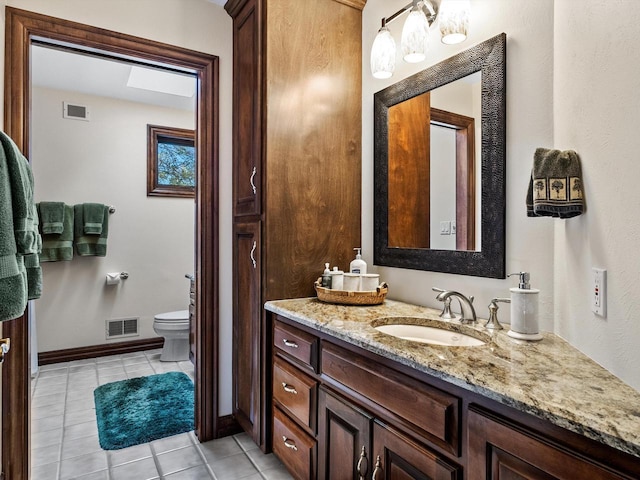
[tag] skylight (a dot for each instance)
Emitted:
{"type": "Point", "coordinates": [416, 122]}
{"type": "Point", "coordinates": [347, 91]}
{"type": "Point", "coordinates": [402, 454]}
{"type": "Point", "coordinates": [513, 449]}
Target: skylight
{"type": "Point", "coordinates": [161, 81]}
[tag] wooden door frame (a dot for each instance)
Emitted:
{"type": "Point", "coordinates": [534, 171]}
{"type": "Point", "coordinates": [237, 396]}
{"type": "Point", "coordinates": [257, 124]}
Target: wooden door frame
{"type": "Point", "coordinates": [21, 28]}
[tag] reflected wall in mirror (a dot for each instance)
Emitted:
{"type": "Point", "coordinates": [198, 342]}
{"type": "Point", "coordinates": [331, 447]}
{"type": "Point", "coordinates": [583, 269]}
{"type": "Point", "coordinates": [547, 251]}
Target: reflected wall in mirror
{"type": "Point", "coordinates": [432, 164]}
{"type": "Point", "coordinates": [439, 166]}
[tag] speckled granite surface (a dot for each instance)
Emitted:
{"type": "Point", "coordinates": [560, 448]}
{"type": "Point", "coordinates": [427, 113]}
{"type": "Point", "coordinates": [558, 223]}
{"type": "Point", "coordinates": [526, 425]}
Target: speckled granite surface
{"type": "Point", "coordinates": [549, 379]}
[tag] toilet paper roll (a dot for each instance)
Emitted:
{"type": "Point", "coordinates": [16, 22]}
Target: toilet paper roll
{"type": "Point", "coordinates": [113, 278]}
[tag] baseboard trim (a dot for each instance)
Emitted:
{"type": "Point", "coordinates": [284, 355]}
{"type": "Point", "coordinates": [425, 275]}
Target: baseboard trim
{"type": "Point", "coordinates": [227, 425]}
{"type": "Point", "coordinates": [92, 351]}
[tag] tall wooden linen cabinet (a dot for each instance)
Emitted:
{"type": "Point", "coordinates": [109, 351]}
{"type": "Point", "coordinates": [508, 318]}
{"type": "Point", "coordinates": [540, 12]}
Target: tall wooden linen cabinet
{"type": "Point", "coordinates": [297, 83]}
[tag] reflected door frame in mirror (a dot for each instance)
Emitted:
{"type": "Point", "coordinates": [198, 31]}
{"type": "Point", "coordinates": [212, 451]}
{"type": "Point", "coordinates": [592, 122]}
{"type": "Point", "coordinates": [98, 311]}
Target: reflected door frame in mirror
{"type": "Point", "coordinates": [489, 58]}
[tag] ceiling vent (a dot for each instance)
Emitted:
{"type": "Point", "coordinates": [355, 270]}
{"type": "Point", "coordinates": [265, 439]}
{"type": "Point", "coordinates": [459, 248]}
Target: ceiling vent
{"type": "Point", "coordinates": [75, 111]}
{"type": "Point", "coordinates": [122, 327]}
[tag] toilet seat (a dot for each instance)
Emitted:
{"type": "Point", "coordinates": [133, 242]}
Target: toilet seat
{"type": "Point", "coordinates": [173, 317]}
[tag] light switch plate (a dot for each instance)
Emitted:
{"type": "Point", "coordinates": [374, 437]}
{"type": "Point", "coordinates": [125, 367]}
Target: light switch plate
{"type": "Point", "coordinates": [599, 292]}
{"type": "Point", "coordinates": [445, 228]}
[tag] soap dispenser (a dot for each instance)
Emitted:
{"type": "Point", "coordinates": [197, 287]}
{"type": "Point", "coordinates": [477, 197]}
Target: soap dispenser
{"type": "Point", "coordinates": [358, 265]}
{"type": "Point", "coordinates": [524, 309]}
{"type": "Point", "coordinates": [326, 276]}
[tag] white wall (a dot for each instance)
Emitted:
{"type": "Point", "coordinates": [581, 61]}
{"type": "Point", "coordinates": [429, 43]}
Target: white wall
{"type": "Point", "coordinates": [199, 25]}
{"type": "Point", "coordinates": [104, 160]}
{"type": "Point", "coordinates": [529, 29]}
{"type": "Point", "coordinates": [596, 113]}
{"type": "Point", "coordinates": [585, 98]}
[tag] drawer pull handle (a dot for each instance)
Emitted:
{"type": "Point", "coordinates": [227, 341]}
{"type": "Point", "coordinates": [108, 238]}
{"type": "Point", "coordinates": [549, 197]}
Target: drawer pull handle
{"type": "Point", "coordinates": [253, 250]}
{"type": "Point", "coordinates": [289, 389]}
{"type": "Point", "coordinates": [377, 472]}
{"type": "Point", "coordinates": [287, 343]}
{"type": "Point", "coordinates": [362, 466]}
{"type": "Point", "coordinates": [289, 444]}
{"type": "Point", "coordinates": [253, 175]}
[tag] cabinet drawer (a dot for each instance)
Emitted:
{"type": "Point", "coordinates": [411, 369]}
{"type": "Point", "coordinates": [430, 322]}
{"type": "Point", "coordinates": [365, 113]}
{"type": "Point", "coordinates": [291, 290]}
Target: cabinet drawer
{"type": "Point", "coordinates": [434, 413]}
{"type": "Point", "coordinates": [295, 448]}
{"type": "Point", "coordinates": [296, 343]}
{"type": "Point", "coordinates": [295, 392]}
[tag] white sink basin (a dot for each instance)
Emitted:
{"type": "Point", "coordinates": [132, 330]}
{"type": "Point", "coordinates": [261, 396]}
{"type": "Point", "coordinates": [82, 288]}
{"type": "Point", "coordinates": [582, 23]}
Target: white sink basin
{"type": "Point", "coordinates": [431, 335]}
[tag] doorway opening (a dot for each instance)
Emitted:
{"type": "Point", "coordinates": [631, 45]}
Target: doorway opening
{"type": "Point", "coordinates": [23, 29]}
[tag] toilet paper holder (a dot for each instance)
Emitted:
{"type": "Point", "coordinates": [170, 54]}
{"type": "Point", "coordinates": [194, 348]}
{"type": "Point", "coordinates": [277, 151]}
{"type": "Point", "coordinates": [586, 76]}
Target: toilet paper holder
{"type": "Point", "coordinates": [114, 278]}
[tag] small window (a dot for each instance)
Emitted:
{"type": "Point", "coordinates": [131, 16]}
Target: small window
{"type": "Point", "coordinates": [171, 162]}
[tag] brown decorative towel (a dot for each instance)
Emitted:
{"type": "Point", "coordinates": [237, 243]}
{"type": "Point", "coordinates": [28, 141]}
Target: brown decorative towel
{"type": "Point", "coordinates": [555, 188]}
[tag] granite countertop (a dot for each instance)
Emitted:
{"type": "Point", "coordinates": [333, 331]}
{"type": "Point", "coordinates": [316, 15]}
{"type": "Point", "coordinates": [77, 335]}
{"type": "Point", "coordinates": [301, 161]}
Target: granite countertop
{"type": "Point", "coordinates": [549, 379]}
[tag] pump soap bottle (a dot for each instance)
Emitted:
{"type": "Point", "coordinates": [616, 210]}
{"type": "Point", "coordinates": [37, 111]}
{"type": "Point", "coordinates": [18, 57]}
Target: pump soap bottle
{"type": "Point", "coordinates": [524, 309]}
{"type": "Point", "coordinates": [358, 265]}
{"type": "Point", "coordinates": [326, 276]}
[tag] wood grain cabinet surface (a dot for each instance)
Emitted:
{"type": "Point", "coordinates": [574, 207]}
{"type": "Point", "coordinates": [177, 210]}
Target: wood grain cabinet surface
{"type": "Point", "coordinates": [297, 157]}
{"type": "Point", "coordinates": [377, 419]}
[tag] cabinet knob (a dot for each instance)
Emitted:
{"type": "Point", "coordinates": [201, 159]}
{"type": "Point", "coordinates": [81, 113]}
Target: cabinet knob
{"type": "Point", "coordinates": [363, 465]}
{"type": "Point", "coordinates": [289, 389]}
{"type": "Point", "coordinates": [377, 472]}
{"type": "Point", "coordinates": [289, 444]}
{"type": "Point", "coordinates": [290, 344]}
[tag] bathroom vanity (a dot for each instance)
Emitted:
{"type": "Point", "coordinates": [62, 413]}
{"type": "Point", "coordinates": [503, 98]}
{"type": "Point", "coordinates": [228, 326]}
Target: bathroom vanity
{"type": "Point", "coordinates": [351, 402]}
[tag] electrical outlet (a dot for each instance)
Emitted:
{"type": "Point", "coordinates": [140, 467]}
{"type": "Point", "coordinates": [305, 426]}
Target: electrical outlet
{"type": "Point", "coordinates": [599, 292]}
{"type": "Point", "coordinates": [445, 228]}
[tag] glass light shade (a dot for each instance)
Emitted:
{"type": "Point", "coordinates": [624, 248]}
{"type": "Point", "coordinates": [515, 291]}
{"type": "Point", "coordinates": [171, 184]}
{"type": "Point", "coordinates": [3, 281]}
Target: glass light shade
{"type": "Point", "coordinates": [454, 20]}
{"type": "Point", "coordinates": [383, 54]}
{"type": "Point", "coordinates": [415, 36]}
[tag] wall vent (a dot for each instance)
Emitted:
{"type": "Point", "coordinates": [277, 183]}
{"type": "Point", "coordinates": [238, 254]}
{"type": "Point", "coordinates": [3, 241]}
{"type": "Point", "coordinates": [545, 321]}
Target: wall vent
{"type": "Point", "coordinates": [75, 111]}
{"type": "Point", "coordinates": [122, 327]}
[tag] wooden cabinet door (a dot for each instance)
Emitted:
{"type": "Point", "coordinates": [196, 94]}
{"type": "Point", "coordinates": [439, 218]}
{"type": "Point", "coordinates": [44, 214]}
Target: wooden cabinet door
{"type": "Point", "coordinates": [499, 450]}
{"type": "Point", "coordinates": [344, 440]}
{"type": "Point", "coordinates": [247, 108]}
{"type": "Point", "coordinates": [247, 331]}
{"type": "Point", "coordinates": [399, 458]}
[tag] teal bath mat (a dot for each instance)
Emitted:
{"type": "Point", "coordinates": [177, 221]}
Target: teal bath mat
{"type": "Point", "coordinates": [143, 409]}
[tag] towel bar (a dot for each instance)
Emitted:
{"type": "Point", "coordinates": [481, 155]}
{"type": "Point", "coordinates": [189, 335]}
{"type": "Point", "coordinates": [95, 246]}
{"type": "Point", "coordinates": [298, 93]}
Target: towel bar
{"type": "Point", "coordinates": [112, 209]}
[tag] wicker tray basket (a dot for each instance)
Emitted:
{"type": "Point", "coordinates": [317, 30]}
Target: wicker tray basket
{"type": "Point", "coordinates": [345, 297]}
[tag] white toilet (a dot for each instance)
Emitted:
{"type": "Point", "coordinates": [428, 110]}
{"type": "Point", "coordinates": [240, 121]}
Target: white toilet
{"type": "Point", "coordinates": [174, 327]}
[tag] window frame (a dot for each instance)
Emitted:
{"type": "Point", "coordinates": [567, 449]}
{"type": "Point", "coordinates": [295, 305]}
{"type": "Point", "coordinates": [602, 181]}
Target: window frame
{"type": "Point", "coordinates": [154, 133]}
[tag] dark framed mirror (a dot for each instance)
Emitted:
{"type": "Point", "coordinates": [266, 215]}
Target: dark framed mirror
{"type": "Point", "coordinates": [439, 166]}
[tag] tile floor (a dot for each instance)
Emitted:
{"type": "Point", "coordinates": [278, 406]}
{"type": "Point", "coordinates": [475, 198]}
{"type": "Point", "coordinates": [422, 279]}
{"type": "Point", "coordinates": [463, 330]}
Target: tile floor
{"type": "Point", "coordinates": [64, 441]}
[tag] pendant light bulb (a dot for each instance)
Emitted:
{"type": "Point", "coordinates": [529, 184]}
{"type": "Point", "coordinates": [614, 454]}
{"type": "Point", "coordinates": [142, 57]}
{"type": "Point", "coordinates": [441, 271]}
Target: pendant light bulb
{"type": "Point", "coordinates": [383, 54]}
{"type": "Point", "coordinates": [415, 36]}
{"type": "Point", "coordinates": [453, 18]}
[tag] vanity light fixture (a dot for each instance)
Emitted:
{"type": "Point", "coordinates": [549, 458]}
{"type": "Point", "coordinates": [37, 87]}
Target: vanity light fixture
{"type": "Point", "coordinates": [453, 18]}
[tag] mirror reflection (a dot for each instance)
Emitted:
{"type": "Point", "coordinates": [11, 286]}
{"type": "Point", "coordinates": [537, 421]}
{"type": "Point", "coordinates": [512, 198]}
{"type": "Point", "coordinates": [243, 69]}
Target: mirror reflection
{"type": "Point", "coordinates": [433, 155]}
{"type": "Point", "coordinates": [439, 166]}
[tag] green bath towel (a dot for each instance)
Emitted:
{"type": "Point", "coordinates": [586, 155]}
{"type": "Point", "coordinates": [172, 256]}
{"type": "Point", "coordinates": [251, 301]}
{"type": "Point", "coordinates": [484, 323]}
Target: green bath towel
{"type": "Point", "coordinates": [21, 187]}
{"type": "Point", "coordinates": [51, 217]}
{"type": "Point", "coordinates": [92, 215]}
{"type": "Point", "coordinates": [13, 286]}
{"type": "Point", "coordinates": [90, 245]}
{"type": "Point", "coordinates": [57, 248]}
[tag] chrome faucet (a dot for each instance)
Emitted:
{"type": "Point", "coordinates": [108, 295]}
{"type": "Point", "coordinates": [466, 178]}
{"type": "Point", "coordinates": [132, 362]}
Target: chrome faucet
{"type": "Point", "coordinates": [466, 304]}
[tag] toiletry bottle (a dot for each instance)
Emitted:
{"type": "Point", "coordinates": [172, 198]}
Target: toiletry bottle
{"type": "Point", "coordinates": [358, 265]}
{"type": "Point", "coordinates": [524, 309]}
{"type": "Point", "coordinates": [326, 276]}
{"type": "Point", "coordinates": [337, 279]}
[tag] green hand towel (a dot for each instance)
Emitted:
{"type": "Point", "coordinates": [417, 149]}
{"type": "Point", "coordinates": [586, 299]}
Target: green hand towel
{"type": "Point", "coordinates": [93, 214]}
{"type": "Point", "coordinates": [13, 287]}
{"type": "Point", "coordinates": [51, 216]}
{"type": "Point", "coordinates": [57, 248]}
{"type": "Point", "coordinates": [21, 188]}
{"type": "Point", "coordinates": [90, 245]}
